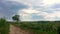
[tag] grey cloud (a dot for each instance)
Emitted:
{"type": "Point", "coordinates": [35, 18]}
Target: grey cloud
{"type": "Point", "coordinates": [8, 8]}
{"type": "Point", "coordinates": [54, 6]}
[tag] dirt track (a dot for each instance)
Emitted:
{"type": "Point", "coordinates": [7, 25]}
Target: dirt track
{"type": "Point", "coordinates": [16, 30]}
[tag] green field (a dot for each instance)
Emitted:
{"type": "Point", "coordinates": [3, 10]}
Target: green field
{"type": "Point", "coordinates": [4, 26]}
{"type": "Point", "coordinates": [34, 27]}
{"type": "Point", "coordinates": [40, 27]}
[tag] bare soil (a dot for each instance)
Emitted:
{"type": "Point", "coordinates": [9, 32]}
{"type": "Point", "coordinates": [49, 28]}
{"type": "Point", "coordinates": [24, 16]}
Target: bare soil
{"type": "Point", "coordinates": [17, 30]}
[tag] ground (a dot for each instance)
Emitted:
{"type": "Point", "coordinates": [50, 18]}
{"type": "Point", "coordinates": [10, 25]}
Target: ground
{"type": "Point", "coordinates": [17, 30]}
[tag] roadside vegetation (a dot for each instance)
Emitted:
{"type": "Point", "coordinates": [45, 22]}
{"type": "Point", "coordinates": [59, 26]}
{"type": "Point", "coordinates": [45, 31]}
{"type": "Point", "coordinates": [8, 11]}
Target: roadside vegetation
{"type": "Point", "coordinates": [4, 26]}
{"type": "Point", "coordinates": [34, 27]}
{"type": "Point", "coordinates": [40, 27]}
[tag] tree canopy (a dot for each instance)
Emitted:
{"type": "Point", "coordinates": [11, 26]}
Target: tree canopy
{"type": "Point", "coordinates": [16, 17]}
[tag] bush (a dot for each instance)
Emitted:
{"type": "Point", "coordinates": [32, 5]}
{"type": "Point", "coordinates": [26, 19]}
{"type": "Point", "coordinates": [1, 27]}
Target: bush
{"type": "Point", "coordinates": [4, 26]}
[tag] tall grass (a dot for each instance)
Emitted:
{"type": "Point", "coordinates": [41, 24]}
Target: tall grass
{"type": "Point", "coordinates": [4, 26]}
{"type": "Point", "coordinates": [40, 27]}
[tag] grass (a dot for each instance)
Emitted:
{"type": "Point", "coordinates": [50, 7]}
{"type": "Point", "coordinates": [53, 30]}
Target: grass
{"type": "Point", "coordinates": [4, 26]}
{"type": "Point", "coordinates": [36, 27]}
{"type": "Point", "coordinates": [41, 27]}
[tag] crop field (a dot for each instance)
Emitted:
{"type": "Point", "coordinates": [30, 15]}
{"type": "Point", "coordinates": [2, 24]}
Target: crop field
{"type": "Point", "coordinates": [41, 27]}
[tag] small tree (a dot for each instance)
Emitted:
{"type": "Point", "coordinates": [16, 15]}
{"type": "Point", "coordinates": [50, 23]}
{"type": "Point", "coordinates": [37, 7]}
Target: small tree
{"type": "Point", "coordinates": [15, 17]}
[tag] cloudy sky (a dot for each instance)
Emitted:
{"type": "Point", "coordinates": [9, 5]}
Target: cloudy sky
{"type": "Point", "coordinates": [31, 10]}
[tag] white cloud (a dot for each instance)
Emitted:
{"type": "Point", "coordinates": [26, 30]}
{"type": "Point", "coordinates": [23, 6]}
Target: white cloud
{"type": "Point", "coordinates": [47, 16]}
{"type": "Point", "coordinates": [52, 15]}
{"type": "Point", "coordinates": [30, 11]}
{"type": "Point", "coordinates": [43, 5]}
{"type": "Point", "coordinates": [37, 2]}
{"type": "Point", "coordinates": [50, 2]}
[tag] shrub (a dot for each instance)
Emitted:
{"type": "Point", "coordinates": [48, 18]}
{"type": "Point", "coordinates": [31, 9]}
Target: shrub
{"type": "Point", "coordinates": [4, 26]}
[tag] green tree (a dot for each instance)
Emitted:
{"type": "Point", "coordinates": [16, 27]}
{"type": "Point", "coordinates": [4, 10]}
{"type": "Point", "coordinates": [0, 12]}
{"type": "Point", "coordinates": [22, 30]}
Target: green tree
{"type": "Point", "coordinates": [16, 17]}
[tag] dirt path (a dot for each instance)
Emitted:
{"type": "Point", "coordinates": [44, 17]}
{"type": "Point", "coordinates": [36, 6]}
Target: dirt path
{"type": "Point", "coordinates": [16, 30]}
